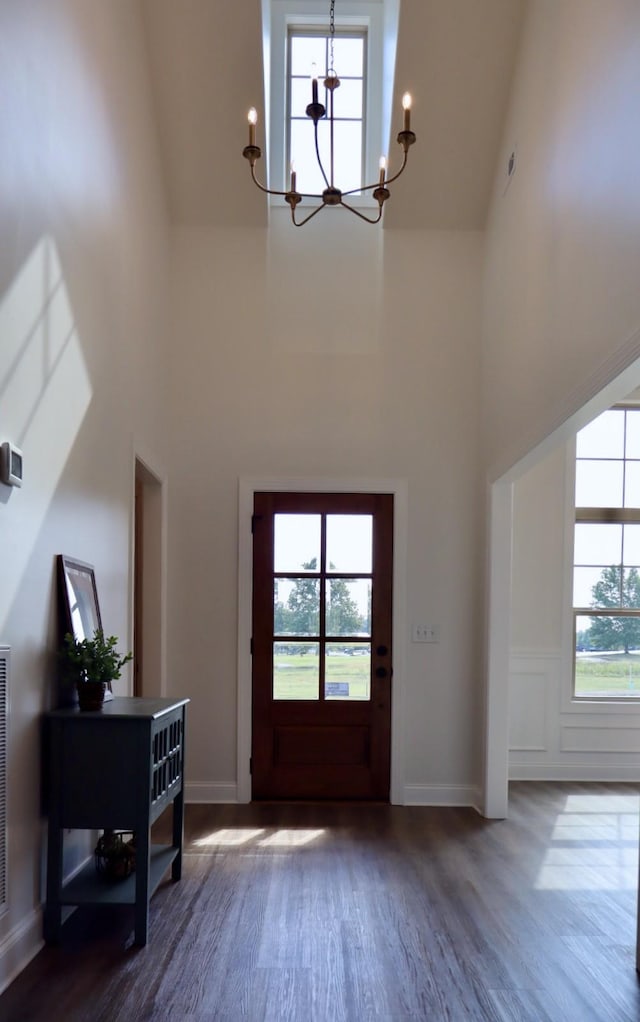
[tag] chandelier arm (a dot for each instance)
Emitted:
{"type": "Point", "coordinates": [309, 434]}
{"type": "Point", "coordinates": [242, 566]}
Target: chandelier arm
{"type": "Point", "coordinates": [267, 191]}
{"type": "Point", "coordinates": [357, 212]}
{"type": "Point", "coordinates": [387, 181]}
{"type": "Point", "coordinates": [306, 220]}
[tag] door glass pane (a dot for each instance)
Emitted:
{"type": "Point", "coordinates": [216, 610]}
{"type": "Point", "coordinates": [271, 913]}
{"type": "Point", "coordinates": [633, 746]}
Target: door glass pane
{"type": "Point", "coordinates": [599, 483]}
{"type": "Point", "coordinates": [598, 544]}
{"type": "Point", "coordinates": [296, 670]}
{"type": "Point", "coordinates": [347, 671]}
{"type": "Point", "coordinates": [296, 606]}
{"type": "Point", "coordinates": [348, 609]}
{"type": "Point", "coordinates": [296, 542]}
{"type": "Point", "coordinates": [349, 543]}
{"type": "Point", "coordinates": [602, 438]}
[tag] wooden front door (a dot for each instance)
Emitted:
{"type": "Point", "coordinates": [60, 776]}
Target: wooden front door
{"type": "Point", "coordinates": [322, 587]}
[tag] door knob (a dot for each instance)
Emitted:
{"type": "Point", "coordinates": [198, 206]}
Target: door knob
{"type": "Point", "coordinates": [381, 672]}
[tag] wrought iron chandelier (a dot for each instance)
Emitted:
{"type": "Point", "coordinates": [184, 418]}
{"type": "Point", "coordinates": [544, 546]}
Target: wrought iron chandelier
{"type": "Point", "coordinates": [332, 195]}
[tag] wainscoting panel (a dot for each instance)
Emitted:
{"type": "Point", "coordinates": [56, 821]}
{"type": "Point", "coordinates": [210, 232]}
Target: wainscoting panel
{"type": "Point", "coordinates": [551, 738]}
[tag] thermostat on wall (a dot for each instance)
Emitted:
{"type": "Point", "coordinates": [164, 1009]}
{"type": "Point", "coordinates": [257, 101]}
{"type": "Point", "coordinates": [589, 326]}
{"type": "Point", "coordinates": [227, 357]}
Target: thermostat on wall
{"type": "Point", "coordinates": [10, 465]}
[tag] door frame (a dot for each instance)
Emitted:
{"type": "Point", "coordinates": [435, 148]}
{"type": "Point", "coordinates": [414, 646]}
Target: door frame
{"type": "Point", "coordinates": [249, 485]}
{"type": "Point", "coordinates": [154, 571]}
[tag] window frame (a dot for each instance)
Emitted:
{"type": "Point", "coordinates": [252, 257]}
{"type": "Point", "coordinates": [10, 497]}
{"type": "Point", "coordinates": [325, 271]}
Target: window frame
{"type": "Point", "coordinates": [583, 514]}
{"type": "Point", "coordinates": [366, 16]}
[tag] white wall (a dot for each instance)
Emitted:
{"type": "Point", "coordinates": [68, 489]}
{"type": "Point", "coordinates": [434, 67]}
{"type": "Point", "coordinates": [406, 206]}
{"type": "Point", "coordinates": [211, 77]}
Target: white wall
{"type": "Point", "coordinates": [552, 737]}
{"type": "Point", "coordinates": [299, 356]}
{"type": "Point", "coordinates": [83, 266]}
{"type": "Point", "coordinates": [562, 304]}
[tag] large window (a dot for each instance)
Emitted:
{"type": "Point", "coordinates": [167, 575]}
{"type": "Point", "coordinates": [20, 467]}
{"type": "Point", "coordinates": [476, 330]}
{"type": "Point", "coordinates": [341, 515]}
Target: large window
{"type": "Point", "coordinates": [310, 56]}
{"type": "Point", "coordinates": [298, 35]}
{"type": "Point", "coordinates": [606, 572]}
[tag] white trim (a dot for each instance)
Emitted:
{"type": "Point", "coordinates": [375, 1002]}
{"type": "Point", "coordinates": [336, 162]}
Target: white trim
{"type": "Point", "coordinates": [443, 795]}
{"type": "Point", "coordinates": [198, 792]}
{"type": "Point", "coordinates": [496, 785]}
{"type": "Point", "coordinates": [247, 486]}
{"type": "Point", "coordinates": [19, 947]}
{"type": "Point", "coordinates": [572, 772]}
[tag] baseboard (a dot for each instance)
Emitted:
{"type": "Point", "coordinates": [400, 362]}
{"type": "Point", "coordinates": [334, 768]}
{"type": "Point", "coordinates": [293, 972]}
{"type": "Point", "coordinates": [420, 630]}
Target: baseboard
{"type": "Point", "coordinates": [442, 795]}
{"type": "Point", "coordinates": [19, 947]}
{"type": "Point", "coordinates": [572, 772]}
{"type": "Point", "coordinates": [210, 791]}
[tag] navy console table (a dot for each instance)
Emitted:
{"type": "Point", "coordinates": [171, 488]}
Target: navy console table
{"type": "Point", "coordinates": [114, 769]}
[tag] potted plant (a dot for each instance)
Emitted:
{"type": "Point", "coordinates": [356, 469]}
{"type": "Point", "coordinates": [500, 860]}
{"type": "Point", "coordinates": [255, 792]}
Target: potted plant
{"type": "Point", "coordinates": [92, 664]}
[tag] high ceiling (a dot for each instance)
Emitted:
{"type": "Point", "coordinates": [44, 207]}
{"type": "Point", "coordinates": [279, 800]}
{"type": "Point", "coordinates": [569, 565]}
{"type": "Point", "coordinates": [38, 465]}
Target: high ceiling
{"type": "Point", "coordinates": [455, 56]}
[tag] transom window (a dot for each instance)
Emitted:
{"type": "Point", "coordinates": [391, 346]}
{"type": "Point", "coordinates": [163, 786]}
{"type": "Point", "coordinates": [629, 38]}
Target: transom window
{"type": "Point", "coordinates": [606, 572]}
{"type": "Point", "coordinates": [309, 56]}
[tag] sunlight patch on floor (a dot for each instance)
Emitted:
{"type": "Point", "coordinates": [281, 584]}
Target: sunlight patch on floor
{"type": "Point", "coordinates": [229, 837]}
{"type": "Point", "coordinates": [593, 845]}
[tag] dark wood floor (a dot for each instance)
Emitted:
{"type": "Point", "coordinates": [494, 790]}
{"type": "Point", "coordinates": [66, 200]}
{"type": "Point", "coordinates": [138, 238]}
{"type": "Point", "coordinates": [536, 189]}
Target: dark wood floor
{"type": "Point", "coordinates": [345, 913]}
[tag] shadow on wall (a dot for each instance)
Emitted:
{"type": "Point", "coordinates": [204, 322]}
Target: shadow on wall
{"type": "Point", "coordinates": [45, 392]}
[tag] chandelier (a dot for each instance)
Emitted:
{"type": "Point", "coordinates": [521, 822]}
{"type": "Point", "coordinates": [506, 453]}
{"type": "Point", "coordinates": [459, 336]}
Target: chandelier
{"type": "Point", "coordinates": [331, 195]}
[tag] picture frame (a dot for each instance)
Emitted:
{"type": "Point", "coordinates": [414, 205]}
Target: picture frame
{"type": "Point", "coordinates": [79, 607]}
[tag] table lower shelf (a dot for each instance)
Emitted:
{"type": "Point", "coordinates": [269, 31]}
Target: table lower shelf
{"type": "Point", "coordinates": [89, 887]}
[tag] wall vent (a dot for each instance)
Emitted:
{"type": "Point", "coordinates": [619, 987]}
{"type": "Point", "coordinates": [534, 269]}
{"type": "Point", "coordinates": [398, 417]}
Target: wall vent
{"type": "Point", "coordinates": [4, 702]}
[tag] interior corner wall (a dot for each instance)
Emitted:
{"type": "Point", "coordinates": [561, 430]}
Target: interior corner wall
{"type": "Point", "coordinates": [562, 305]}
{"type": "Point", "coordinates": [302, 357]}
{"type": "Point", "coordinates": [83, 279]}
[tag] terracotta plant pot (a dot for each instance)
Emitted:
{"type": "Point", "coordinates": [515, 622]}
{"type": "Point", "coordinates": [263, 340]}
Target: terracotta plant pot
{"type": "Point", "coordinates": [91, 694]}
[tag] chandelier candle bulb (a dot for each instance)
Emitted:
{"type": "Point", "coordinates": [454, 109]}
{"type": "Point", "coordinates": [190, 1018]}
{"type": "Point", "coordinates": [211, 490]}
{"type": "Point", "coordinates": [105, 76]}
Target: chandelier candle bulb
{"type": "Point", "coordinates": [383, 169]}
{"type": "Point", "coordinates": [314, 84]}
{"type": "Point", "coordinates": [293, 178]}
{"type": "Point", "coordinates": [252, 118]}
{"type": "Point", "coordinates": [406, 106]}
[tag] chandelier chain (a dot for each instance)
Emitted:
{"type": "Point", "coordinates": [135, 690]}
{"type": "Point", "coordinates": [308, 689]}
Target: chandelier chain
{"type": "Point", "coordinates": [332, 31]}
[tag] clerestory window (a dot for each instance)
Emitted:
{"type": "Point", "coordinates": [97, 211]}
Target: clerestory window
{"type": "Point", "coordinates": [297, 37]}
{"type": "Point", "coordinates": [606, 572]}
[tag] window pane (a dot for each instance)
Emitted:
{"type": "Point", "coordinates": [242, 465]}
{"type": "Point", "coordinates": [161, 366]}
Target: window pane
{"type": "Point", "coordinates": [598, 544]}
{"type": "Point", "coordinates": [608, 662]}
{"type": "Point", "coordinates": [305, 51]}
{"type": "Point", "coordinates": [348, 671]}
{"type": "Point", "coordinates": [632, 544]}
{"type": "Point", "coordinates": [585, 581]}
{"type": "Point", "coordinates": [303, 155]}
{"type": "Point", "coordinates": [347, 100]}
{"type": "Point", "coordinates": [296, 670]}
{"type": "Point", "coordinates": [348, 155]}
{"type": "Point", "coordinates": [300, 97]}
{"type": "Point", "coordinates": [631, 591]}
{"type": "Point", "coordinates": [348, 610]}
{"type": "Point", "coordinates": [349, 543]}
{"type": "Point", "coordinates": [632, 484]}
{"type": "Point", "coordinates": [296, 542]}
{"type": "Point", "coordinates": [599, 483]}
{"type": "Point", "coordinates": [348, 58]}
{"type": "Point", "coordinates": [296, 606]}
{"type": "Point", "coordinates": [602, 438]}
{"type": "Point", "coordinates": [633, 434]}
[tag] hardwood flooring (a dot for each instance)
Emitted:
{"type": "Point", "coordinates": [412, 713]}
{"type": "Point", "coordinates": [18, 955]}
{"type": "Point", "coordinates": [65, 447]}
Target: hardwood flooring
{"type": "Point", "coordinates": [356, 912]}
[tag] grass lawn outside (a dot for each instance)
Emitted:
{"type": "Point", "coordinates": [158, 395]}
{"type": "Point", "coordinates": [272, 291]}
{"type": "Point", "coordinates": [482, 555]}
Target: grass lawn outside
{"type": "Point", "coordinates": [296, 676]}
{"type": "Point", "coordinates": [608, 674]}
